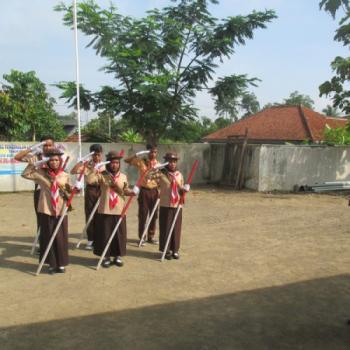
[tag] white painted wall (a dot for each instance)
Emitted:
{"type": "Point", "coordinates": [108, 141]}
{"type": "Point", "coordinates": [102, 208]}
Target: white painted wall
{"type": "Point", "coordinates": [281, 167]}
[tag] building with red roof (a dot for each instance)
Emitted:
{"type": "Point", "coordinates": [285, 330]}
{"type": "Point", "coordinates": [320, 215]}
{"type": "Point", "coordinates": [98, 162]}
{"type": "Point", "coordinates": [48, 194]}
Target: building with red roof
{"type": "Point", "coordinates": [279, 124]}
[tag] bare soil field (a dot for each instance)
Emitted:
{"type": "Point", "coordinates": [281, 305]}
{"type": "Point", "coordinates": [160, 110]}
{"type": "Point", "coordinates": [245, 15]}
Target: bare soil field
{"type": "Point", "coordinates": [257, 271]}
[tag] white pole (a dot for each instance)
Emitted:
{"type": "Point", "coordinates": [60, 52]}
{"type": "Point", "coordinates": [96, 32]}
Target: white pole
{"type": "Point", "coordinates": [170, 233]}
{"type": "Point", "coordinates": [109, 242]}
{"type": "Point", "coordinates": [148, 222]}
{"type": "Point", "coordinates": [35, 241]}
{"type": "Point", "coordinates": [59, 223]}
{"type": "Point", "coordinates": [88, 222]}
{"type": "Point", "coordinates": [77, 74]}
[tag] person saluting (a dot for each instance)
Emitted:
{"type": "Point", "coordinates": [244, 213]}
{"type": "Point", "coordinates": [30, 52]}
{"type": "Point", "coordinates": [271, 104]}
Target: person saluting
{"type": "Point", "coordinates": [55, 188]}
{"type": "Point", "coordinates": [171, 187]}
{"type": "Point", "coordinates": [149, 190]}
{"type": "Point", "coordinates": [114, 188]}
{"type": "Point", "coordinates": [92, 188]}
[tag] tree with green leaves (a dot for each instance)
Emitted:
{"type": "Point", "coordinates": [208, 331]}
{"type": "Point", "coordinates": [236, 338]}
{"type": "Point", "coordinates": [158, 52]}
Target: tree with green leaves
{"type": "Point", "coordinates": [101, 129]}
{"type": "Point", "coordinates": [297, 99]}
{"type": "Point", "coordinates": [337, 87]}
{"type": "Point", "coordinates": [270, 105]}
{"type": "Point", "coordinates": [69, 93]}
{"type": "Point", "coordinates": [26, 109]}
{"type": "Point", "coordinates": [232, 96]}
{"type": "Point", "coordinates": [194, 130]}
{"type": "Point", "coordinates": [220, 123]}
{"type": "Point", "coordinates": [294, 99]}
{"type": "Point", "coordinates": [162, 60]}
{"type": "Point", "coordinates": [106, 128]}
{"type": "Point", "coordinates": [336, 136]}
{"type": "Point", "coordinates": [249, 104]}
{"type": "Point", "coordinates": [331, 111]}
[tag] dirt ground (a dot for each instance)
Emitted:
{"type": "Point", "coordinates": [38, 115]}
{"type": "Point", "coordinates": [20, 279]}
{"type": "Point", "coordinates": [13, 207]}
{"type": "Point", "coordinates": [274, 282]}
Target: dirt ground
{"type": "Point", "coordinates": [257, 271]}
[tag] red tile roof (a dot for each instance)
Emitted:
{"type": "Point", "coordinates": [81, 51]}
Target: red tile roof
{"type": "Point", "coordinates": [282, 123]}
{"type": "Point", "coordinates": [75, 138]}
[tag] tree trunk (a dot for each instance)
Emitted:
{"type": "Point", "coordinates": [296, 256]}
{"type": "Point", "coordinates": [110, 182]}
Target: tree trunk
{"type": "Point", "coordinates": [152, 139]}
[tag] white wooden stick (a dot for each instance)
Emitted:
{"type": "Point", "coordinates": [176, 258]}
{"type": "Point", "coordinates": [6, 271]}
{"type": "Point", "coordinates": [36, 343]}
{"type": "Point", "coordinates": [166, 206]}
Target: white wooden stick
{"type": "Point", "coordinates": [148, 222]}
{"type": "Point", "coordinates": [88, 223]}
{"type": "Point", "coordinates": [63, 214]}
{"type": "Point", "coordinates": [86, 157]}
{"type": "Point", "coordinates": [109, 242]}
{"type": "Point", "coordinates": [170, 232]}
{"type": "Point", "coordinates": [35, 242]}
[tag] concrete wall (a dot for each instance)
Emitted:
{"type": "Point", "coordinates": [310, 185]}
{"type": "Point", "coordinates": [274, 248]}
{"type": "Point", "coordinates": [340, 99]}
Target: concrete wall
{"type": "Point", "coordinates": [217, 157]}
{"type": "Point", "coordinates": [252, 167]}
{"type": "Point", "coordinates": [283, 166]}
{"type": "Point", "coordinates": [10, 170]}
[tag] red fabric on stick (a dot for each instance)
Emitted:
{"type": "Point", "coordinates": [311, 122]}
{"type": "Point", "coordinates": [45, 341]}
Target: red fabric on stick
{"type": "Point", "coordinates": [189, 179]}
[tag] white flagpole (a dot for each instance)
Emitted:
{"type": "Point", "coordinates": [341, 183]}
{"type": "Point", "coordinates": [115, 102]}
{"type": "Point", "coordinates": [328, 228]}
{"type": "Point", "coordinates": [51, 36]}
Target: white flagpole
{"type": "Point", "coordinates": [77, 75]}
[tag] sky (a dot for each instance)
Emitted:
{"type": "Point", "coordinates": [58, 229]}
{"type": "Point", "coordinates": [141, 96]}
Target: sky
{"type": "Point", "coordinates": [293, 53]}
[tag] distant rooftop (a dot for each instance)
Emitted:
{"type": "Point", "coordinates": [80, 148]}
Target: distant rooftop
{"type": "Point", "coordinates": [279, 124]}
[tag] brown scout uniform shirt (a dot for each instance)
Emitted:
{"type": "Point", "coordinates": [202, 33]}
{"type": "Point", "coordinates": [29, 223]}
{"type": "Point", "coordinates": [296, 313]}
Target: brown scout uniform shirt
{"type": "Point", "coordinates": [40, 177]}
{"type": "Point", "coordinates": [165, 188]}
{"type": "Point", "coordinates": [144, 165]}
{"type": "Point", "coordinates": [105, 181]}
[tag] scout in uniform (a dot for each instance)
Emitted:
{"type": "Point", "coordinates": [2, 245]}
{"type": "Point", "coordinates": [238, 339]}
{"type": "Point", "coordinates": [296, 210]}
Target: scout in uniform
{"type": "Point", "coordinates": [55, 186]}
{"type": "Point", "coordinates": [36, 154]}
{"type": "Point", "coordinates": [149, 192]}
{"type": "Point", "coordinates": [92, 189]}
{"type": "Point", "coordinates": [114, 188]}
{"type": "Point", "coordinates": [171, 187]}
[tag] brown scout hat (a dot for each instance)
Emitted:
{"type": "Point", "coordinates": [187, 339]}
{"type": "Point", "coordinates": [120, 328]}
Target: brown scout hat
{"type": "Point", "coordinates": [115, 155]}
{"type": "Point", "coordinates": [171, 156]}
{"type": "Point", "coordinates": [53, 152]}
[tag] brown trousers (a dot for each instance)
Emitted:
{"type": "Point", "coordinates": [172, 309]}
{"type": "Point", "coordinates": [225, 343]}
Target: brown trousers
{"type": "Point", "coordinates": [147, 199]}
{"type": "Point", "coordinates": [106, 224]}
{"type": "Point", "coordinates": [92, 194]}
{"type": "Point", "coordinates": [166, 217]}
{"type": "Point", "coordinates": [58, 254]}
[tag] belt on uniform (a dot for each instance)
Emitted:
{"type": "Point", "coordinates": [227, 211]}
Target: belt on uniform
{"type": "Point", "coordinates": [149, 189]}
{"type": "Point", "coordinates": [93, 185]}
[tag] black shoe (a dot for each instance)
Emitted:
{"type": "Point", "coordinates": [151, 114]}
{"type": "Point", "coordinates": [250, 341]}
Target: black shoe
{"type": "Point", "coordinates": [61, 269]}
{"type": "Point", "coordinates": [52, 270]}
{"type": "Point", "coordinates": [168, 256]}
{"type": "Point", "coordinates": [152, 241]}
{"type": "Point", "coordinates": [89, 245]}
{"type": "Point", "coordinates": [118, 261]}
{"type": "Point", "coordinates": [106, 263]}
{"type": "Point", "coordinates": [176, 256]}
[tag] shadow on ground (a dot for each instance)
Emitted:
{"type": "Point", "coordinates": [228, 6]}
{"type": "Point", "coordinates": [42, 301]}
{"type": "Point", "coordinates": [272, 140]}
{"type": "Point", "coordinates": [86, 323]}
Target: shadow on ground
{"type": "Point", "coordinates": [13, 247]}
{"type": "Point", "coordinates": [305, 315]}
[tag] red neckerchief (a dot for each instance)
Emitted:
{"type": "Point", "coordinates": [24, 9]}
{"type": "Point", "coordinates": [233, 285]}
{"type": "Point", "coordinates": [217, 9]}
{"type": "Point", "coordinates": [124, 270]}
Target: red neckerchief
{"type": "Point", "coordinates": [54, 189]}
{"type": "Point", "coordinates": [152, 163]}
{"type": "Point", "coordinates": [113, 196]}
{"type": "Point", "coordinates": [174, 196]}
